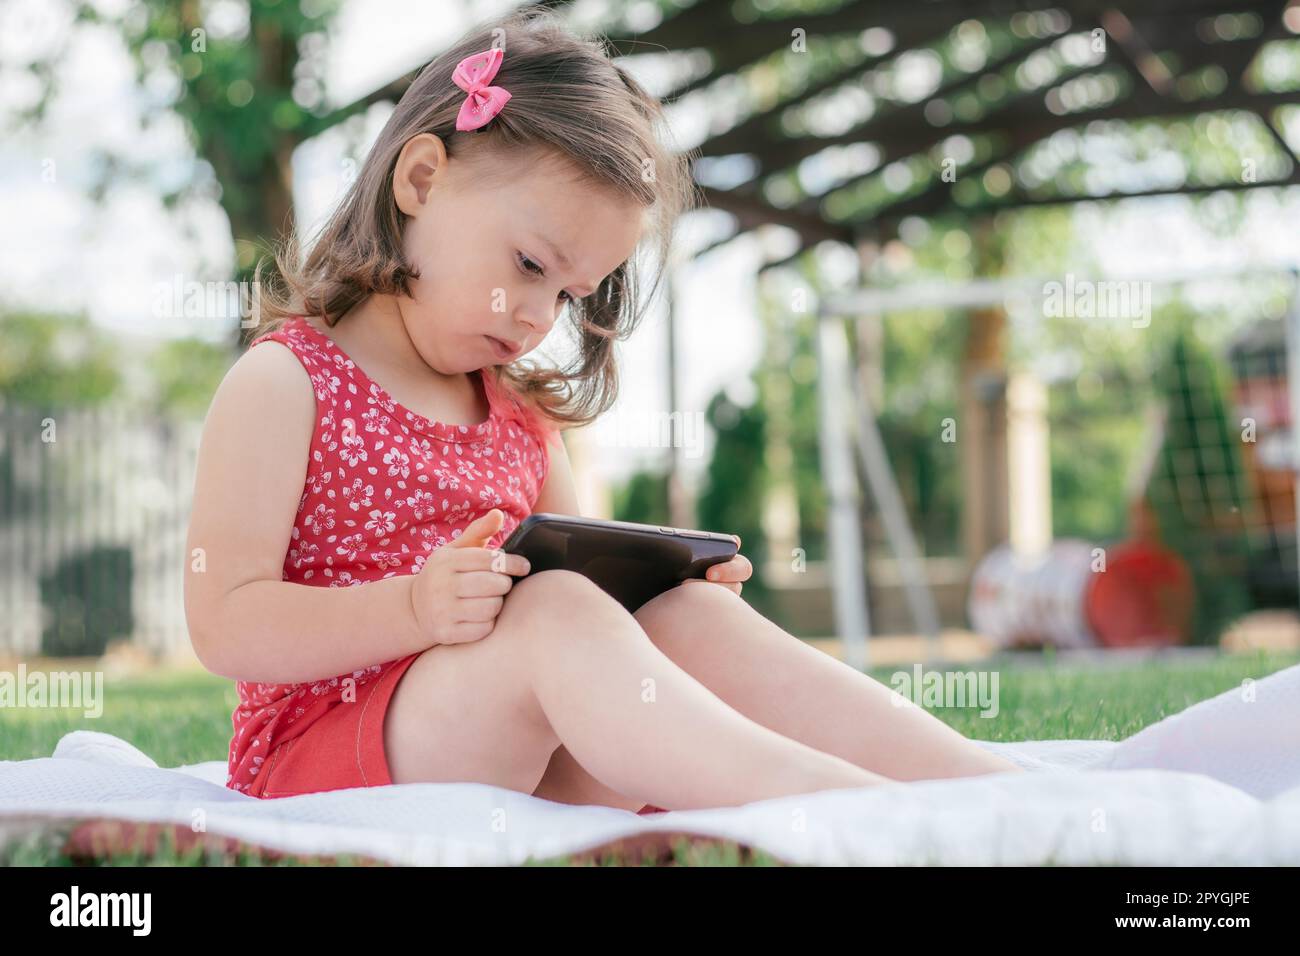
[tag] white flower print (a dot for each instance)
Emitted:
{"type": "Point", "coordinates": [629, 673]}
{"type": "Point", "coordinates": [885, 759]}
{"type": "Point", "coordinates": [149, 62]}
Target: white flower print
{"type": "Point", "coordinates": [324, 686]}
{"type": "Point", "coordinates": [386, 559]}
{"type": "Point", "coordinates": [398, 463]}
{"type": "Point", "coordinates": [350, 545]}
{"type": "Point", "coordinates": [467, 469]}
{"type": "Point", "coordinates": [430, 536]}
{"type": "Point", "coordinates": [377, 398]}
{"type": "Point", "coordinates": [322, 519]}
{"type": "Point", "coordinates": [317, 481]}
{"type": "Point", "coordinates": [381, 521]}
{"type": "Point", "coordinates": [354, 448]}
{"type": "Point", "coordinates": [304, 553]}
{"type": "Point", "coordinates": [451, 513]}
{"type": "Point", "coordinates": [360, 494]}
{"type": "Point", "coordinates": [446, 480]}
{"type": "Point", "coordinates": [375, 420]}
{"type": "Point", "coordinates": [422, 505]}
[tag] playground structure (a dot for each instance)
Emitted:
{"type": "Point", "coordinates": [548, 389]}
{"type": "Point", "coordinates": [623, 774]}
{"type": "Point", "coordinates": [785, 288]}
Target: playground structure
{"type": "Point", "coordinates": [1028, 590]}
{"type": "Point", "coordinates": [959, 148]}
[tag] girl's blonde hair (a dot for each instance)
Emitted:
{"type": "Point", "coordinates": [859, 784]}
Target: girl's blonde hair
{"type": "Point", "coordinates": [569, 100]}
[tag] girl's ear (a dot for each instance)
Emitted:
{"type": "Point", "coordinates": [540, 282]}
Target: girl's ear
{"type": "Point", "coordinates": [421, 159]}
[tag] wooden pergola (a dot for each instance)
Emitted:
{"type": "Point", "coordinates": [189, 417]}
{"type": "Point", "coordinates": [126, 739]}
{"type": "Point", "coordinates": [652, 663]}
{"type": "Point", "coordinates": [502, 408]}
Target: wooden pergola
{"type": "Point", "coordinates": [860, 114]}
{"type": "Point", "coordinates": [1159, 51]}
{"type": "Point", "coordinates": [1160, 59]}
{"type": "Point", "coordinates": [1036, 71]}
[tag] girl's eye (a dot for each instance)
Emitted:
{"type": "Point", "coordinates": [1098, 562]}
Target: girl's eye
{"type": "Point", "coordinates": [529, 265]}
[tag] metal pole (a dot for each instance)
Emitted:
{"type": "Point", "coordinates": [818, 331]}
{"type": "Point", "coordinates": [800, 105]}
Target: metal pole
{"type": "Point", "coordinates": [680, 509]}
{"type": "Point", "coordinates": [880, 476]}
{"type": "Point", "coordinates": [843, 529]}
{"type": "Point", "coordinates": [1293, 396]}
{"type": "Point", "coordinates": [987, 292]}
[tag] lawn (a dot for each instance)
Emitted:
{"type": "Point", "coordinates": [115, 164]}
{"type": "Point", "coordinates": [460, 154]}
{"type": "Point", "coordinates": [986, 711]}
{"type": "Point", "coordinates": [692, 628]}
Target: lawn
{"type": "Point", "coordinates": [183, 717]}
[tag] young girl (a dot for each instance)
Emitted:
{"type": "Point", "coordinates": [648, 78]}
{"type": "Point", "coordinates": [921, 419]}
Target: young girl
{"type": "Point", "coordinates": [362, 464]}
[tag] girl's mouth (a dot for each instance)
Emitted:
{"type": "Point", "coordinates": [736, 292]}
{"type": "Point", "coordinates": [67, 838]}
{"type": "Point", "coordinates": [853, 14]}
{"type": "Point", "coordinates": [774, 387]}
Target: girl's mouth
{"type": "Point", "coordinates": [504, 352]}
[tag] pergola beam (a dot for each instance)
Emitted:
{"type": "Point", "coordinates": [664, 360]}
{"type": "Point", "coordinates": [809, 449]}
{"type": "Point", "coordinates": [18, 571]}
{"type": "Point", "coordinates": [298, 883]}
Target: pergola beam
{"type": "Point", "coordinates": [752, 211]}
{"type": "Point", "coordinates": [743, 137]}
{"type": "Point", "coordinates": [1022, 135]}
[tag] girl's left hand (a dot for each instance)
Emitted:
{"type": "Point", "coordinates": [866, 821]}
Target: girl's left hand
{"type": "Point", "coordinates": [730, 573]}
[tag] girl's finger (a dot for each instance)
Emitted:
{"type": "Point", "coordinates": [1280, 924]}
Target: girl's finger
{"type": "Point", "coordinates": [478, 609]}
{"type": "Point", "coordinates": [721, 572]}
{"type": "Point", "coordinates": [737, 569]}
{"type": "Point", "coordinates": [503, 563]}
{"type": "Point", "coordinates": [477, 584]}
{"type": "Point", "coordinates": [729, 585]}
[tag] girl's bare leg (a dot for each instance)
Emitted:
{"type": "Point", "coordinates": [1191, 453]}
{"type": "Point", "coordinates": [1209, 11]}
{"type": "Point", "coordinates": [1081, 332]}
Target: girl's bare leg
{"type": "Point", "coordinates": [786, 684]}
{"type": "Point", "coordinates": [803, 693]}
{"type": "Point", "coordinates": [567, 665]}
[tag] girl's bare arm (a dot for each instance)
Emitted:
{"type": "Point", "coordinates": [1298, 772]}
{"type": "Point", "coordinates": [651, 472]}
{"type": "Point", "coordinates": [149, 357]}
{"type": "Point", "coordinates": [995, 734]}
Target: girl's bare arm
{"type": "Point", "coordinates": [560, 494]}
{"type": "Point", "coordinates": [245, 622]}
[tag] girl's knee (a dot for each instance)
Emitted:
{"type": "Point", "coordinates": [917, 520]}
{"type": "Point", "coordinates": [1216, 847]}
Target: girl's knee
{"type": "Point", "coordinates": [688, 598]}
{"type": "Point", "coordinates": [564, 606]}
{"type": "Point", "coordinates": [558, 589]}
{"type": "Point", "coordinates": [557, 579]}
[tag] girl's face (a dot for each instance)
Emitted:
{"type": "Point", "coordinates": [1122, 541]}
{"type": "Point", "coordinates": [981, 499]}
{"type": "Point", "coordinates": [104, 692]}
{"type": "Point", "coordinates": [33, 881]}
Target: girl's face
{"type": "Point", "coordinates": [500, 259]}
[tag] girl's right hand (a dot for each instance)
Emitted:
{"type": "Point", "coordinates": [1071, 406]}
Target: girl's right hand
{"type": "Point", "coordinates": [460, 590]}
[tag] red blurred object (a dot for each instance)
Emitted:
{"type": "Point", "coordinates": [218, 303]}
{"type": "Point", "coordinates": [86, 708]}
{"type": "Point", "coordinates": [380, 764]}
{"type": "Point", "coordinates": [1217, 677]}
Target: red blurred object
{"type": "Point", "coordinates": [1143, 599]}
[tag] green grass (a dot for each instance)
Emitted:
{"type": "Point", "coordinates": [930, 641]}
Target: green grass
{"type": "Point", "coordinates": [184, 718]}
{"type": "Point", "coordinates": [1051, 703]}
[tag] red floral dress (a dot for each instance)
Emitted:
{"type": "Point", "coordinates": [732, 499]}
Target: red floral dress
{"type": "Point", "coordinates": [384, 487]}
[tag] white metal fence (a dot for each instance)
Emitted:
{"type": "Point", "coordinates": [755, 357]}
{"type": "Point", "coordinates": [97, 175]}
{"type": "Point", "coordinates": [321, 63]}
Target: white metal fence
{"type": "Point", "coordinates": [94, 508]}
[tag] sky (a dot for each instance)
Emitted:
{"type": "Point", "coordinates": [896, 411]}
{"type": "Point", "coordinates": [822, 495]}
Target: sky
{"type": "Point", "coordinates": [62, 251]}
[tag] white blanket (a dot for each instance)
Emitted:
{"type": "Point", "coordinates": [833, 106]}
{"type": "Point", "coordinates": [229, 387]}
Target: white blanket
{"type": "Point", "coordinates": [1218, 783]}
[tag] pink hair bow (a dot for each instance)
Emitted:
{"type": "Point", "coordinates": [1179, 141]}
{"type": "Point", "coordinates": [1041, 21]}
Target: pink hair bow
{"type": "Point", "coordinates": [473, 74]}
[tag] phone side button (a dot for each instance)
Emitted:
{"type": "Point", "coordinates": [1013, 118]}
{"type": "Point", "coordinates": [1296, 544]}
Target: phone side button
{"type": "Point", "coordinates": [663, 530]}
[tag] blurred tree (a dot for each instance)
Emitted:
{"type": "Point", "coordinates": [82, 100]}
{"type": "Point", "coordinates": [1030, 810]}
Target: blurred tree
{"type": "Point", "coordinates": [248, 80]}
{"type": "Point", "coordinates": [643, 498]}
{"type": "Point", "coordinates": [736, 480]}
{"type": "Point", "coordinates": [56, 360]}
{"type": "Point", "coordinates": [1096, 432]}
{"type": "Point", "coordinates": [186, 375]}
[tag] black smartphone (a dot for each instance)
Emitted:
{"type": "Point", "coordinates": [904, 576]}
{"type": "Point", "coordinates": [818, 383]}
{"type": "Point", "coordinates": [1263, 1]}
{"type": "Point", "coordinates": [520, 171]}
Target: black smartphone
{"type": "Point", "coordinates": [631, 562]}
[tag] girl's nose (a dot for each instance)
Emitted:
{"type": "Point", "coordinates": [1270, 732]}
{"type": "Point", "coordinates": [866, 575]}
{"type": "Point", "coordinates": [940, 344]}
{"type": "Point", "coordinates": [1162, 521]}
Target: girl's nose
{"type": "Point", "coordinates": [536, 321]}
